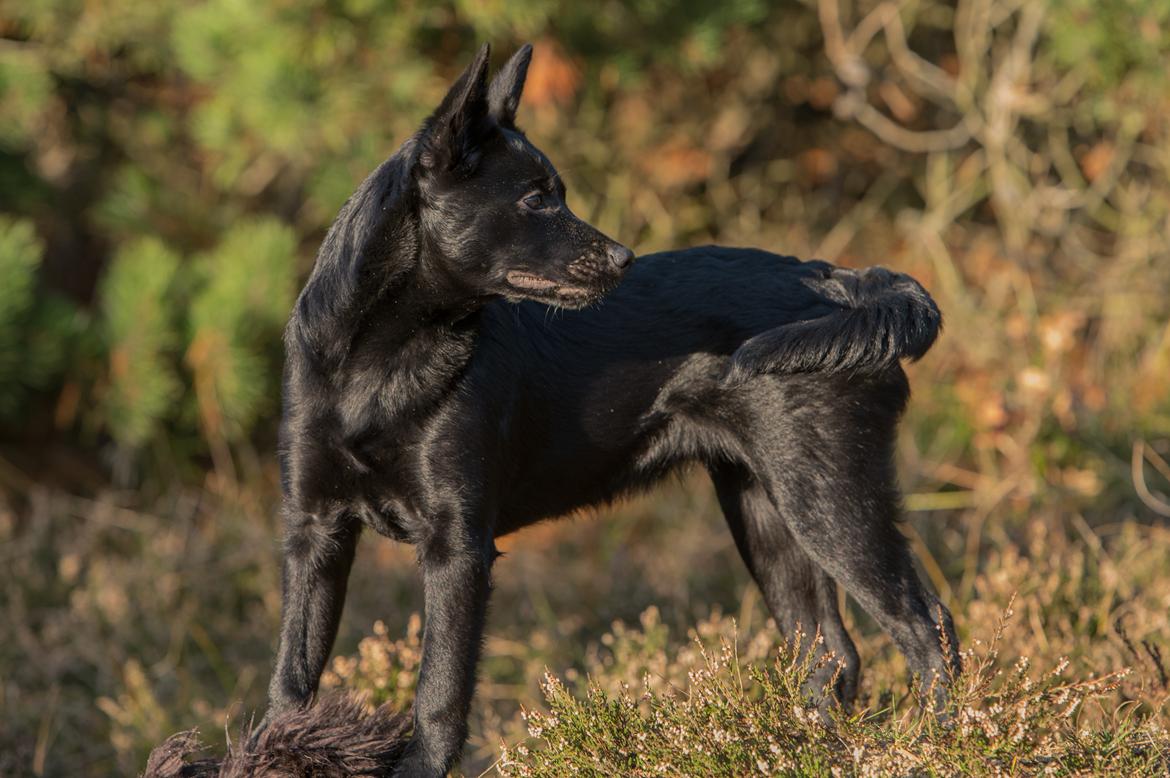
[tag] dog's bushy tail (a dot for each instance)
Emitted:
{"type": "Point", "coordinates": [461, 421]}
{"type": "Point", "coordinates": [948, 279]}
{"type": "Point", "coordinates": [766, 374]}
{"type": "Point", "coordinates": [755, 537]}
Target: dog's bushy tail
{"type": "Point", "coordinates": [883, 317]}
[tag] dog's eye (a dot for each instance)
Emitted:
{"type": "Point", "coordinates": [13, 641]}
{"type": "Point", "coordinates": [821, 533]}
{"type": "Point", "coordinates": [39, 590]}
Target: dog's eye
{"type": "Point", "coordinates": [535, 202]}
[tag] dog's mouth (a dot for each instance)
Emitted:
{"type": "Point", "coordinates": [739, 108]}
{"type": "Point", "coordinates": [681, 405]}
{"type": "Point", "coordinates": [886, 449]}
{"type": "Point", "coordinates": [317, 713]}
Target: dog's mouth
{"type": "Point", "coordinates": [558, 292]}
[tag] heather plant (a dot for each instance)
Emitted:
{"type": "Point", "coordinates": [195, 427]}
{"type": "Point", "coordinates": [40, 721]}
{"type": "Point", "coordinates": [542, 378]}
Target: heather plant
{"type": "Point", "coordinates": [384, 669]}
{"type": "Point", "coordinates": [734, 716]}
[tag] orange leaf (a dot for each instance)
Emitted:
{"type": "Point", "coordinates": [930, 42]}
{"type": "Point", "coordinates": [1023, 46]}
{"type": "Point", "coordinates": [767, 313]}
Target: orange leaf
{"type": "Point", "coordinates": [552, 76]}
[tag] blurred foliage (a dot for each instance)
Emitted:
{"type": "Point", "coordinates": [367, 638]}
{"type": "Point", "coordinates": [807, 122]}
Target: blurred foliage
{"type": "Point", "coordinates": [245, 289]}
{"type": "Point", "coordinates": [168, 169]}
{"type": "Point", "coordinates": [142, 334]}
{"type": "Point", "coordinates": [164, 128]}
{"type": "Point", "coordinates": [35, 328]}
{"type": "Point", "coordinates": [144, 142]}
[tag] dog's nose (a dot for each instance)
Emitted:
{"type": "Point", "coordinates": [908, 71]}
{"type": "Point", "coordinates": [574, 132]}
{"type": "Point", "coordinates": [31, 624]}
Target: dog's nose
{"type": "Point", "coordinates": [620, 256]}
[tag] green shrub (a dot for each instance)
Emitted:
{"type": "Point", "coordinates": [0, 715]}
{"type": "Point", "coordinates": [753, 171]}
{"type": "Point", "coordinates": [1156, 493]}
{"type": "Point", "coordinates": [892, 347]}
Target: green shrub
{"type": "Point", "coordinates": [142, 334]}
{"type": "Point", "coordinates": [35, 330]}
{"type": "Point", "coordinates": [244, 290]}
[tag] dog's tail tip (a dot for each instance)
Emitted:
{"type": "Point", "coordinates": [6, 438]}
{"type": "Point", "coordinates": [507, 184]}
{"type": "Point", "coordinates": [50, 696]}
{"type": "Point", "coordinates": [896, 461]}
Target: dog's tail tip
{"type": "Point", "coordinates": [885, 317]}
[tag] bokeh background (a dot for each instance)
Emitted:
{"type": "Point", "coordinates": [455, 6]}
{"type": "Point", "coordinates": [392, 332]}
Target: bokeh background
{"type": "Point", "coordinates": [168, 168]}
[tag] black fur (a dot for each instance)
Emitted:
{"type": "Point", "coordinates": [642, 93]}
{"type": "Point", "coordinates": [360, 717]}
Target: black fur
{"type": "Point", "coordinates": [454, 374]}
{"type": "Point", "coordinates": [338, 738]}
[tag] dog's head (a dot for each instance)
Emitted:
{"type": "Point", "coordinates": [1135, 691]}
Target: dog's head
{"type": "Point", "coordinates": [492, 208]}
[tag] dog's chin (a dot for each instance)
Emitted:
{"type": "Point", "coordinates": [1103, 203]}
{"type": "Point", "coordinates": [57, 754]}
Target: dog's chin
{"type": "Point", "coordinates": [562, 294]}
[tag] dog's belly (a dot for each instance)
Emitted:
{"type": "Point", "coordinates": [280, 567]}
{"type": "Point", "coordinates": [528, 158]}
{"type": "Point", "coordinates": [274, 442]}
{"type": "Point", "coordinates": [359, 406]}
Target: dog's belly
{"type": "Point", "coordinates": [623, 430]}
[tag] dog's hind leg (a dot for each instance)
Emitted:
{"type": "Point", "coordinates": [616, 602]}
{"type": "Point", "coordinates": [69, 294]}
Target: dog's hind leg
{"type": "Point", "coordinates": [318, 554]}
{"type": "Point", "coordinates": [829, 469]}
{"type": "Point", "coordinates": [855, 539]}
{"type": "Point", "coordinates": [799, 594]}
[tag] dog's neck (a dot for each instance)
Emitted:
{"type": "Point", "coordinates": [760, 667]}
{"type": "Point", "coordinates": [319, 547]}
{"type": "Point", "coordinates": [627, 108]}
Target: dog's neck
{"type": "Point", "coordinates": [408, 348]}
{"type": "Point", "coordinates": [382, 324]}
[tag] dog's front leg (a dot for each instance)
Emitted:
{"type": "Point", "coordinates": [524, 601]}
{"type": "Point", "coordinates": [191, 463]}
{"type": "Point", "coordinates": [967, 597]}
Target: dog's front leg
{"type": "Point", "coordinates": [318, 553]}
{"type": "Point", "coordinates": [456, 582]}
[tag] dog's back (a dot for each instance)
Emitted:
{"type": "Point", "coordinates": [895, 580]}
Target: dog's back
{"type": "Point", "coordinates": [773, 313]}
{"type": "Point", "coordinates": [596, 401]}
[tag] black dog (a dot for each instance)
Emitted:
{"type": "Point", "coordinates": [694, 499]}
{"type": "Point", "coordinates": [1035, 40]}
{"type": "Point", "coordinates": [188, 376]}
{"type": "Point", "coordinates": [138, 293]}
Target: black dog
{"type": "Point", "coordinates": [430, 395]}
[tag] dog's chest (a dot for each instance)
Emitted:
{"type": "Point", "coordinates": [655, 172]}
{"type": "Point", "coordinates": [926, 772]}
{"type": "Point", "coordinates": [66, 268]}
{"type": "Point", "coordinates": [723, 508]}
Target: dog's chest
{"type": "Point", "coordinates": [420, 475]}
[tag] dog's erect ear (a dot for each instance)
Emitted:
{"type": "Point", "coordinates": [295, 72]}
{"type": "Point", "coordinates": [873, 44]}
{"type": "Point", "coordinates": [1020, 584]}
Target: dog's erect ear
{"type": "Point", "coordinates": [461, 119]}
{"type": "Point", "coordinates": [504, 93]}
